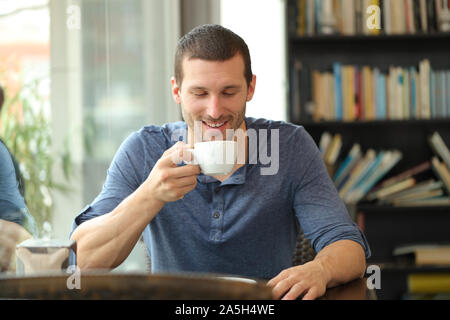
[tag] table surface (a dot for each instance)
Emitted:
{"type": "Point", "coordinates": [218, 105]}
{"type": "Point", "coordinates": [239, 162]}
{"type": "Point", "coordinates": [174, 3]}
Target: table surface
{"type": "Point", "coordinates": [102, 285]}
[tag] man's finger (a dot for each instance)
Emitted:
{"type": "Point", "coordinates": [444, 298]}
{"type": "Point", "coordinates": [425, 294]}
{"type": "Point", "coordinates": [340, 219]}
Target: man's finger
{"type": "Point", "coordinates": [282, 275]}
{"type": "Point", "coordinates": [296, 290]}
{"type": "Point", "coordinates": [281, 288]}
{"type": "Point", "coordinates": [312, 294]}
{"type": "Point", "coordinates": [185, 181]}
{"type": "Point", "coordinates": [184, 171]}
{"type": "Point", "coordinates": [176, 155]}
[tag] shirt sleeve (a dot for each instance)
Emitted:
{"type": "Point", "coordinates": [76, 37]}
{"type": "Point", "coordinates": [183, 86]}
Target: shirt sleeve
{"type": "Point", "coordinates": [321, 213]}
{"type": "Point", "coordinates": [11, 201]}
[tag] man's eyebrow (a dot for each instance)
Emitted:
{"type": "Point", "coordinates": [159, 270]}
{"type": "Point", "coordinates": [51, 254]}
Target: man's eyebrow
{"type": "Point", "coordinates": [196, 88]}
{"type": "Point", "coordinates": [233, 86]}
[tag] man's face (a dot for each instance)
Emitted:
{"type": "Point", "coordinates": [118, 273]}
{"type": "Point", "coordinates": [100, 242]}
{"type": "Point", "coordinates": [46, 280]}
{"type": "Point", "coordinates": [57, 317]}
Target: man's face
{"type": "Point", "coordinates": [215, 93]}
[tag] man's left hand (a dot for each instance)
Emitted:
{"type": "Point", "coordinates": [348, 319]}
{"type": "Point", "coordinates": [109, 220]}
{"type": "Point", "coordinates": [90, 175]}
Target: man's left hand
{"type": "Point", "coordinates": [309, 279]}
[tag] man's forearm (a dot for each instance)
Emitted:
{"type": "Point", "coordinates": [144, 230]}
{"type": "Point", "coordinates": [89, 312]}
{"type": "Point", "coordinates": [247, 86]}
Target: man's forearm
{"type": "Point", "coordinates": [342, 261]}
{"type": "Point", "coordinates": [104, 242]}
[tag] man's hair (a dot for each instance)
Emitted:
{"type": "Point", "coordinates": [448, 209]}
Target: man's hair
{"type": "Point", "coordinates": [2, 97]}
{"type": "Point", "coordinates": [211, 42]}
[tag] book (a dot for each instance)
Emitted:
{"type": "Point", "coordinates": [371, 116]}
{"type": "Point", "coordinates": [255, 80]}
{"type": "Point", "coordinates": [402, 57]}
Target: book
{"type": "Point", "coordinates": [427, 185]}
{"type": "Point", "coordinates": [334, 150]}
{"type": "Point", "coordinates": [417, 196]}
{"type": "Point", "coordinates": [310, 18]}
{"type": "Point", "coordinates": [351, 17]}
{"type": "Point", "coordinates": [386, 12]}
{"type": "Point", "coordinates": [435, 201]}
{"type": "Point", "coordinates": [399, 186]}
{"type": "Point", "coordinates": [437, 168]}
{"type": "Point", "coordinates": [445, 175]}
{"type": "Point", "coordinates": [439, 147]}
{"type": "Point", "coordinates": [447, 81]}
{"type": "Point", "coordinates": [424, 71]}
{"type": "Point", "coordinates": [424, 254]}
{"type": "Point", "coordinates": [345, 165]}
{"type": "Point", "coordinates": [422, 167]}
{"type": "Point", "coordinates": [387, 161]}
{"type": "Point", "coordinates": [428, 283]}
{"type": "Point", "coordinates": [337, 90]}
{"type": "Point", "coordinates": [349, 93]}
{"type": "Point", "coordinates": [443, 94]}
{"type": "Point", "coordinates": [324, 143]}
{"type": "Point", "coordinates": [358, 172]}
{"type": "Point", "coordinates": [348, 17]}
{"type": "Point", "coordinates": [353, 195]}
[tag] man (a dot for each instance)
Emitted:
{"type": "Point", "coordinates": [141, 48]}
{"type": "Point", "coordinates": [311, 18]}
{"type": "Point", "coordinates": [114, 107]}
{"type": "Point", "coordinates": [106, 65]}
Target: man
{"type": "Point", "coordinates": [13, 211]}
{"type": "Point", "coordinates": [243, 223]}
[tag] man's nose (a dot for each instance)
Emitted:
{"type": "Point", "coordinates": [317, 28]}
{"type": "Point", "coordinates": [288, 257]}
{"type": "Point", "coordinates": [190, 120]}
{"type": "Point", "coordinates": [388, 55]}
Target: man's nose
{"type": "Point", "coordinates": [213, 108]}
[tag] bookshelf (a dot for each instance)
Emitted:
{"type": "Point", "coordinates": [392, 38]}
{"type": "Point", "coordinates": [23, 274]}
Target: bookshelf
{"type": "Point", "coordinates": [385, 226]}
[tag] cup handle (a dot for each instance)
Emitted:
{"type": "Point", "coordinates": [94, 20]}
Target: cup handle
{"type": "Point", "coordinates": [194, 161]}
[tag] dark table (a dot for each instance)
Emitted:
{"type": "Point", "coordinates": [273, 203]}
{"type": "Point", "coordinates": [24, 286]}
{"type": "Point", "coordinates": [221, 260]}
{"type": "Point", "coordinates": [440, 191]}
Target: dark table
{"type": "Point", "coordinates": [103, 285]}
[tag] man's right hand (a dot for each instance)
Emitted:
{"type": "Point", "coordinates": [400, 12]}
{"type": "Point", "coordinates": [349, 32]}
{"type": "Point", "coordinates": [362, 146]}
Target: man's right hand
{"type": "Point", "coordinates": [168, 182]}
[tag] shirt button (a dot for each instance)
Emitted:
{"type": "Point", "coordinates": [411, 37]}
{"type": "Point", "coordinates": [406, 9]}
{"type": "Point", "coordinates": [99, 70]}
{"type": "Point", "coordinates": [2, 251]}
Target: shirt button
{"type": "Point", "coordinates": [216, 215]}
{"type": "Point", "coordinates": [217, 190]}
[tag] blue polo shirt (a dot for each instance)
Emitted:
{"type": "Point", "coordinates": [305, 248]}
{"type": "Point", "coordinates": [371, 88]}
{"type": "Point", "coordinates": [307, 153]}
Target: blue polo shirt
{"type": "Point", "coordinates": [12, 203]}
{"type": "Point", "coordinates": [246, 225]}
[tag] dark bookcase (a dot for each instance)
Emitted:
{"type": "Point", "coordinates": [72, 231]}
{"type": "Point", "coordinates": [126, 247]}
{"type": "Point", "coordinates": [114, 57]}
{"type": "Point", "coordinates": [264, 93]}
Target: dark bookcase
{"type": "Point", "coordinates": [384, 226]}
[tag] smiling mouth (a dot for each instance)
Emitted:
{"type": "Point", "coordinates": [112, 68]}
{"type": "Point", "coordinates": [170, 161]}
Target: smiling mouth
{"type": "Point", "coordinates": [215, 125]}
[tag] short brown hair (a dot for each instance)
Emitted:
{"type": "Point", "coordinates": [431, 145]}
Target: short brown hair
{"type": "Point", "coordinates": [214, 43]}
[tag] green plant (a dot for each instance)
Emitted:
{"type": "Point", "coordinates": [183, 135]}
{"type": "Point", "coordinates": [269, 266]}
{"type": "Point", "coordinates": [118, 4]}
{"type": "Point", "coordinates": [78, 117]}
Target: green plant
{"type": "Point", "coordinates": [25, 128]}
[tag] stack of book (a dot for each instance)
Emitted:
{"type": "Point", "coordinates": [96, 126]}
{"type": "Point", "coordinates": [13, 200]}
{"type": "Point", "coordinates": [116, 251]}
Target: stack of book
{"type": "Point", "coordinates": [359, 171]}
{"type": "Point", "coordinates": [428, 286]}
{"type": "Point", "coordinates": [349, 93]}
{"type": "Point", "coordinates": [367, 17]}
{"type": "Point", "coordinates": [423, 254]}
{"type": "Point", "coordinates": [409, 189]}
{"type": "Point", "coordinates": [358, 176]}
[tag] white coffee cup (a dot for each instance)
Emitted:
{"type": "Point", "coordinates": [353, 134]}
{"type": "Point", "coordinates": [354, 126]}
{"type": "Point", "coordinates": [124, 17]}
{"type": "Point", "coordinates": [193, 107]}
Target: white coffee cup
{"type": "Point", "coordinates": [214, 157]}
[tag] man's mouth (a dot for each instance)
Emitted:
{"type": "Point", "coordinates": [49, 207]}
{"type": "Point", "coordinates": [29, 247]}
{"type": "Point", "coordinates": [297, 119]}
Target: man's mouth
{"type": "Point", "coordinates": [215, 125]}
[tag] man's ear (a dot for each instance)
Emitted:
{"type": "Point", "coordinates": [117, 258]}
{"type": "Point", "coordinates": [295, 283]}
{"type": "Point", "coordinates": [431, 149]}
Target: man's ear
{"type": "Point", "coordinates": [251, 88]}
{"type": "Point", "coordinates": [176, 94]}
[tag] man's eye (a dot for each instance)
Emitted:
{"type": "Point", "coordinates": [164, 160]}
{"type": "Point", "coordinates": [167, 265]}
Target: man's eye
{"type": "Point", "coordinates": [229, 93]}
{"type": "Point", "coordinates": [199, 94]}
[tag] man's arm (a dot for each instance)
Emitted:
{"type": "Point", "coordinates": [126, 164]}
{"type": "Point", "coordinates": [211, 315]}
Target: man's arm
{"type": "Point", "coordinates": [11, 234]}
{"type": "Point", "coordinates": [324, 219]}
{"type": "Point", "coordinates": [104, 242]}
{"type": "Point", "coordinates": [337, 263]}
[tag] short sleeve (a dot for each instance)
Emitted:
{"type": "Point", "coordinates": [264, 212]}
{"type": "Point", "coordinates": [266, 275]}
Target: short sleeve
{"type": "Point", "coordinates": [321, 213]}
{"type": "Point", "coordinates": [11, 201]}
